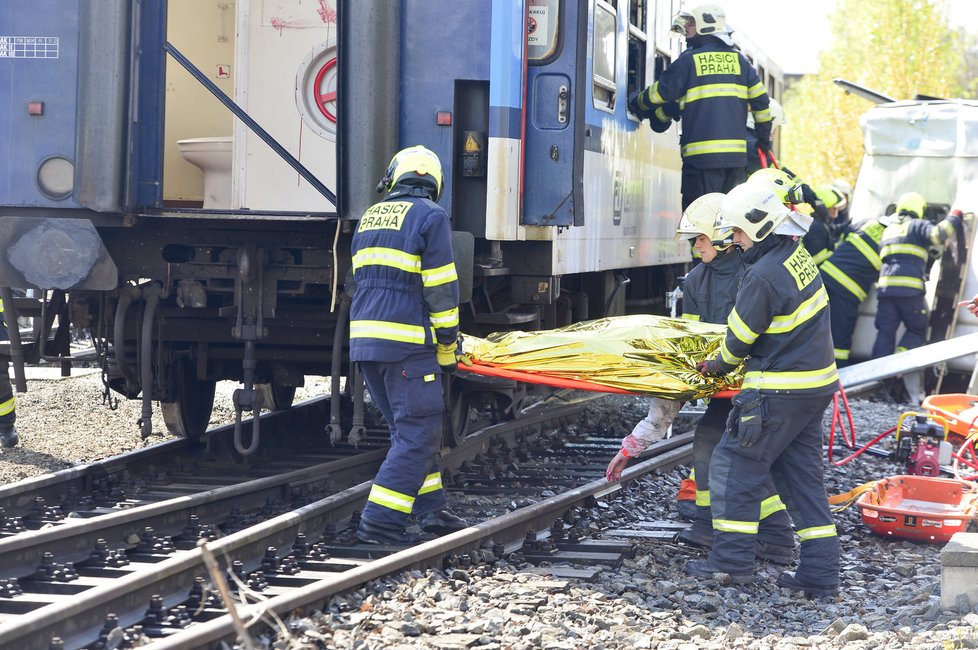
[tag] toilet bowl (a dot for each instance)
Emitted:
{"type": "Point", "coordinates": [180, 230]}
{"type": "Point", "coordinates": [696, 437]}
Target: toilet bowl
{"type": "Point", "coordinates": [213, 157]}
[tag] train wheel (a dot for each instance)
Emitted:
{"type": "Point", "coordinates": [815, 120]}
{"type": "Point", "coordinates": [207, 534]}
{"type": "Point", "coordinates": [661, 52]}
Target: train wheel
{"type": "Point", "coordinates": [189, 414]}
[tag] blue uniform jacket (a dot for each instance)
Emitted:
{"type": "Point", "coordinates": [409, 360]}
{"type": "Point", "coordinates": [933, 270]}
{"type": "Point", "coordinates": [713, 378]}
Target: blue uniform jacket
{"type": "Point", "coordinates": [855, 264]}
{"type": "Point", "coordinates": [710, 289]}
{"type": "Point", "coordinates": [714, 84]}
{"type": "Point", "coordinates": [906, 249]}
{"type": "Point", "coordinates": [406, 294]}
{"type": "Point", "coordinates": [780, 323]}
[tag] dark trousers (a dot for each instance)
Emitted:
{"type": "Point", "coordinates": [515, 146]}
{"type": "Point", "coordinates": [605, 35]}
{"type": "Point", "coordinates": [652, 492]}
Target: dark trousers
{"type": "Point", "coordinates": [787, 455]}
{"type": "Point", "coordinates": [409, 395]}
{"type": "Point", "coordinates": [890, 312]}
{"type": "Point", "coordinates": [775, 527]}
{"type": "Point", "coordinates": [843, 314]}
{"type": "Point", "coordinates": [697, 182]}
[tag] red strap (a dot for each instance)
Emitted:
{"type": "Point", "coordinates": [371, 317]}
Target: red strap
{"type": "Point", "coordinates": [625, 453]}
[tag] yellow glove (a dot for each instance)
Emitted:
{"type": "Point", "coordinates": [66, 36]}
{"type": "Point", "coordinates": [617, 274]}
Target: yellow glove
{"type": "Point", "coordinates": [449, 355]}
{"type": "Point", "coordinates": [445, 354]}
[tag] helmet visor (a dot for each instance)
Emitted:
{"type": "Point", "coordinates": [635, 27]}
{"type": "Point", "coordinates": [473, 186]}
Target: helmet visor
{"type": "Point", "coordinates": [680, 22]}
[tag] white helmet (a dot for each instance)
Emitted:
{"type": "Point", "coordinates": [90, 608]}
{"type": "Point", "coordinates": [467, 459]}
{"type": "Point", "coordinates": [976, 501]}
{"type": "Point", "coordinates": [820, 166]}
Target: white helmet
{"type": "Point", "coordinates": [700, 218]}
{"type": "Point", "coordinates": [754, 208]}
{"type": "Point", "coordinates": [710, 20]}
{"type": "Point", "coordinates": [778, 117]}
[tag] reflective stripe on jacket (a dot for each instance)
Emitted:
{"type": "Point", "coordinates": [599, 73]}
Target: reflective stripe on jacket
{"type": "Point", "coordinates": [714, 85]}
{"type": "Point", "coordinates": [855, 264]}
{"type": "Point", "coordinates": [406, 284]}
{"type": "Point", "coordinates": [780, 323]}
{"type": "Point", "coordinates": [905, 249]}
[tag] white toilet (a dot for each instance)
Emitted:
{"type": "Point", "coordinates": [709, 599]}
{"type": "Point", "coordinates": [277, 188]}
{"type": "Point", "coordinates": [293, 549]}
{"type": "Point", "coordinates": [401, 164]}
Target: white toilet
{"type": "Point", "coordinates": [213, 157]}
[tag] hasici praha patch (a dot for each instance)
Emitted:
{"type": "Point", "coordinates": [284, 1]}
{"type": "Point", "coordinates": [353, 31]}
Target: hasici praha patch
{"type": "Point", "coordinates": [802, 267]}
{"type": "Point", "coordinates": [388, 215]}
{"type": "Point", "coordinates": [707, 63]}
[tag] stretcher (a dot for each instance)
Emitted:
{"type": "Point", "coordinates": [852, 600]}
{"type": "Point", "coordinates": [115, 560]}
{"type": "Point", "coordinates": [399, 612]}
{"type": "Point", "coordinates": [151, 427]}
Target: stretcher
{"type": "Point", "coordinates": [922, 508]}
{"type": "Point", "coordinates": [559, 382]}
{"type": "Point", "coordinates": [637, 354]}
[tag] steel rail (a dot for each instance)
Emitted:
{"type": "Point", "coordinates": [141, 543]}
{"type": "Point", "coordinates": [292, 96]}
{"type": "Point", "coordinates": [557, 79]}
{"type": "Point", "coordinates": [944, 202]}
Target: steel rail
{"type": "Point", "coordinates": [18, 498]}
{"type": "Point", "coordinates": [509, 529]}
{"type": "Point", "coordinates": [172, 577]}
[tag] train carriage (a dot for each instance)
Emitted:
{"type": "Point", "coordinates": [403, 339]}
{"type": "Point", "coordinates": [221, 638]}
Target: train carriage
{"type": "Point", "coordinates": [183, 177]}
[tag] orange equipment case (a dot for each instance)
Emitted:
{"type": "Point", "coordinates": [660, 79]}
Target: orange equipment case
{"type": "Point", "coordinates": [922, 508]}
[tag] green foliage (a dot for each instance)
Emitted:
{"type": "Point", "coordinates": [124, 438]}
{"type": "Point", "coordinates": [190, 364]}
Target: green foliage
{"type": "Point", "coordinates": [900, 48]}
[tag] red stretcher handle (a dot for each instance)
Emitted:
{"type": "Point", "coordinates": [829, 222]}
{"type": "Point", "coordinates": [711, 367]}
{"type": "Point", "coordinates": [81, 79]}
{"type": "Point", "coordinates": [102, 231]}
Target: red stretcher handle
{"type": "Point", "coordinates": [558, 382]}
{"type": "Point", "coordinates": [765, 161]}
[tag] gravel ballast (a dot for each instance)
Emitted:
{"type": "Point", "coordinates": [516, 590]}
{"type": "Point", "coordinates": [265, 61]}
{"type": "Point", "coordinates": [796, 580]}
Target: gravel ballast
{"type": "Point", "coordinates": [890, 588]}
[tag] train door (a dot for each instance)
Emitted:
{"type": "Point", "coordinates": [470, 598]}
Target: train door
{"type": "Point", "coordinates": [554, 155]}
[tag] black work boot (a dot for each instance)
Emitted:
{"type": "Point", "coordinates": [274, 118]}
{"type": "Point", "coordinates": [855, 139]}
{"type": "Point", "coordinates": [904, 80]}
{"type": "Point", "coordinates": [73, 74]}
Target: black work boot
{"type": "Point", "coordinates": [776, 553]}
{"type": "Point", "coordinates": [686, 509]}
{"type": "Point", "coordinates": [372, 533]}
{"type": "Point", "coordinates": [704, 569]}
{"type": "Point", "coordinates": [789, 581]}
{"type": "Point", "coordinates": [693, 536]}
{"type": "Point", "coordinates": [8, 436]}
{"type": "Point", "coordinates": [442, 522]}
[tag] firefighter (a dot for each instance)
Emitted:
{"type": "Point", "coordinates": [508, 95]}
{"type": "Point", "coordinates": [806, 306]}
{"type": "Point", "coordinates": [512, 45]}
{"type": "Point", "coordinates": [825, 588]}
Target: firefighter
{"type": "Point", "coordinates": [835, 202]}
{"type": "Point", "coordinates": [848, 275]}
{"type": "Point", "coordinates": [713, 84]}
{"type": "Point", "coordinates": [753, 157]}
{"type": "Point", "coordinates": [8, 412]}
{"type": "Point", "coordinates": [909, 243]}
{"type": "Point", "coordinates": [404, 335]}
{"type": "Point", "coordinates": [708, 296]}
{"type": "Point", "coordinates": [779, 329]}
{"type": "Point", "coordinates": [843, 221]}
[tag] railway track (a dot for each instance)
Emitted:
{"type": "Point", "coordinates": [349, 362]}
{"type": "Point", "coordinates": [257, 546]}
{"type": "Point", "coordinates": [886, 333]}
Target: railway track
{"type": "Point", "coordinates": [134, 571]}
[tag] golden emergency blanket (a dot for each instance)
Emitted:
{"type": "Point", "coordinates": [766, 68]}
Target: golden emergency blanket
{"type": "Point", "coordinates": [649, 355]}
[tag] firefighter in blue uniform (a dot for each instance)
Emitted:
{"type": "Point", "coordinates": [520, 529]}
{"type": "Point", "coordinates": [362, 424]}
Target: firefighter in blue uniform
{"type": "Point", "coordinates": [713, 84]}
{"type": "Point", "coordinates": [8, 413]}
{"type": "Point", "coordinates": [779, 329]}
{"type": "Point", "coordinates": [848, 275]}
{"type": "Point", "coordinates": [908, 245]}
{"type": "Point", "coordinates": [404, 335]}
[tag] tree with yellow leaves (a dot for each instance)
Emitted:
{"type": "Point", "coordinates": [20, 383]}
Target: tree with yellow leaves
{"type": "Point", "coordinates": [900, 48]}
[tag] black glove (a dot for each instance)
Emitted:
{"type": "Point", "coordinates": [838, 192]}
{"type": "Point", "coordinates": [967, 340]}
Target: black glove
{"type": "Point", "coordinates": [642, 113]}
{"type": "Point", "coordinates": [808, 195]}
{"type": "Point", "coordinates": [750, 417]}
{"type": "Point", "coordinates": [710, 368]}
{"type": "Point", "coordinates": [764, 144]}
{"type": "Point", "coordinates": [672, 110]}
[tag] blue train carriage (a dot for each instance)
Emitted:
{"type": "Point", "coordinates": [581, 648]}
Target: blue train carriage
{"type": "Point", "coordinates": [580, 197]}
{"type": "Point", "coordinates": [179, 167]}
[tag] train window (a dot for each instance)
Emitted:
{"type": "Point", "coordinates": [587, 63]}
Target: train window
{"type": "Point", "coordinates": [662, 61]}
{"type": "Point", "coordinates": [637, 11]}
{"type": "Point", "coordinates": [603, 61]}
{"type": "Point", "coordinates": [663, 23]}
{"type": "Point", "coordinates": [542, 29]}
{"type": "Point", "coordinates": [636, 59]}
